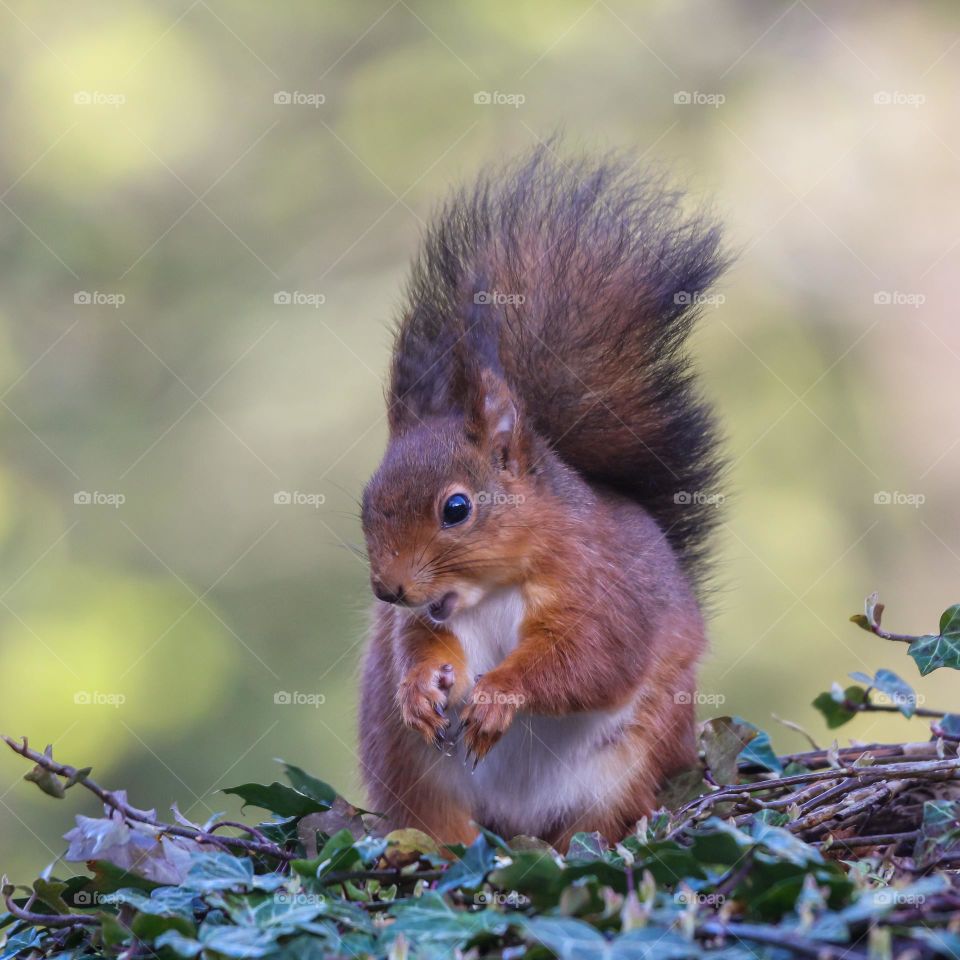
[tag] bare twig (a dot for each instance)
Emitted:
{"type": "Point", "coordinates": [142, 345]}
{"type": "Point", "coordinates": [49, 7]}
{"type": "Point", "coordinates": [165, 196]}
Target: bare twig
{"type": "Point", "coordinates": [129, 813]}
{"type": "Point", "coordinates": [50, 919]}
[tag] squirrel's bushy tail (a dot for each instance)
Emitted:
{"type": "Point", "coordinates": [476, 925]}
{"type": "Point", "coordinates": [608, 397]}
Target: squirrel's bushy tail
{"type": "Point", "coordinates": [596, 274]}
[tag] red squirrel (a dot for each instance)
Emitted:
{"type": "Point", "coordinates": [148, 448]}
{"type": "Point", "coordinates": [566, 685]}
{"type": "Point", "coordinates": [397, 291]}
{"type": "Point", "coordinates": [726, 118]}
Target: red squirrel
{"type": "Point", "coordinates": [537, 529]}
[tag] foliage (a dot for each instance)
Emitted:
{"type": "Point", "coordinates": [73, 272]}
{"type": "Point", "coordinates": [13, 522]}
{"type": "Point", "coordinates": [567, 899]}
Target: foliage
{"type": "Point", "coordinates": [834, 852]}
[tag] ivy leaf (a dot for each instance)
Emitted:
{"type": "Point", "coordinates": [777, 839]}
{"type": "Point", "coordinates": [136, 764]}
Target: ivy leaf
{"type": "Point", "coordinates": [899, 692]}
{"type": "Point", "coordinates": [723, 740]}
{"type": "Point", "coordinates": [947, 727]}
{"type": "Point", "coordinates": [587, 846]}
{"type": "Point", "coordinates": [182, 946]}
{"type": "Point", "coordinates": [836, 704]}
{"type": "Point", "coordinates": [932, 652]}
{"type": "Point", "coordinates": [28, 939]}
{"type": "Point", "coordinates": [784, 845]}
{"type": "Point", "coordinates": [471, 869]}
{"type": "Point", "coordinates": [759, 750]}
{"type": "Point", "coordinates": [939, 830]}
{"type": "Point", "coordinates": [568, 938]}
{"type": "Point", "coordinates": [50, 893]}
{"type": "Point", "coordinates": [437, 929]}
{"type": "Point", "coordinates": [221, 871]}
{"type": "Point", "coordinates": [950, 620]}
{"type": "Point", "coordinates": [534, 874]}
{"type": "Point", "coordinates": [308, 785]}
{"type": "Point", "coordinates": [408, 846]}
{"type": "Point", "coordinates": [279, 799]}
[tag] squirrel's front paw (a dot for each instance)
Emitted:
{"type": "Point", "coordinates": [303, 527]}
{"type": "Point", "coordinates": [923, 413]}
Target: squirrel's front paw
{"type": "Point", "coordinates": [423, 698]}
{"type": "Point", "coordinates": [489, 712]}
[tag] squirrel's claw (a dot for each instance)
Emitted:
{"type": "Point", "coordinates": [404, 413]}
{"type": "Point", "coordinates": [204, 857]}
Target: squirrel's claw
{"type": "Point", "coordinates": [422, 698]}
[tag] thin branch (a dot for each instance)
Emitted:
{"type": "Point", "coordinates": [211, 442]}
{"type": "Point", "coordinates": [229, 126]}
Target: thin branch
{"type": "Point", "coordinates": [129, 813]}
{"type": "Point", "coordinates": [49, 919]}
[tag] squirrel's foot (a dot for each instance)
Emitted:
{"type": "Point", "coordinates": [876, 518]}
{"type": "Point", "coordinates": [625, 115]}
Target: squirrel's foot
{"type": "Point", "coordinates": [488, 714]}
{"type": "Point", "coordinates": [423, 697]}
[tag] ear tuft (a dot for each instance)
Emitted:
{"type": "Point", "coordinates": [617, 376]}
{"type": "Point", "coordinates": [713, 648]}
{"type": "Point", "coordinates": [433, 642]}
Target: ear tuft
{"type": "Point", "coordinates": [493, 422]}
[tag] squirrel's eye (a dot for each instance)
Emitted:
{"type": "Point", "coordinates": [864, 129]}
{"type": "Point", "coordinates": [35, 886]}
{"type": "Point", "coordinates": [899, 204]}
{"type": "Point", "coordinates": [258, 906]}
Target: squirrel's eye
{"type": "Point", "coordinates": [456, 509]}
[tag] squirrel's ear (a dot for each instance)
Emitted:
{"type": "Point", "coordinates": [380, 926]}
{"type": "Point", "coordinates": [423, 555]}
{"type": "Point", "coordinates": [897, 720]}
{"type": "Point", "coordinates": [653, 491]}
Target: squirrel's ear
{"type": "Point", "coordinates": [494, 423]}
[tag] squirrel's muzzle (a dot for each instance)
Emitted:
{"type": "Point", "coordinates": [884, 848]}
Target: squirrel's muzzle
{"type": "Point", "coordinates": [384, 593]}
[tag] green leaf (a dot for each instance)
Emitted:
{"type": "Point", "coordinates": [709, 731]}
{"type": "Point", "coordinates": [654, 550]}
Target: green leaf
{"type": "Point", "coordinates": [50, 894]}
{"type": "Point", "coordinates": [533, 874]}
{"type": "Point", "coordinates": [759, 750]}
{"type": "Point", "coordinates": [308, 785]}
{"type": "Point", "coordinates": [221, 871]}
{"type": "Point", "coordinates": [239, 943]}
{"type": "Point", "coordinates": [278, 798]}
{"type": "Point", "coordinates": [48, 782]}
{"type": "Point", "coordinates": [938, 831]}
{"type": "Point", "coordinates": [28, 939]}
{"type": "Point", "coordinates": [899, 692]}
{"type": "Point", "coordinates": [470, 870]}
{"type": "Point", "coordinates": [724, 740]}
{"type": "Point", "coordinates": [284, 912]}
{"type": "Point", "coordinates": [282, 831]}
{"type": "Point", "coordinates": [950, 620]}
{"type": "Point", "coordinates": [437, 930]}
{"type": "Point", "coordinates": [568, 938]}
{"type": "Point", "coordinates": [947, 727]}
{"type": "Point", "coordinates": [835, 705]}
{"type": "Point", "coordinates": [182, 946]}
{"type": "Point", "coordinates": [149, 926]}
{"type": "Point", "coordinates": [587, 846]}
{"type": "Point", "coordinates": [784, 845]}
{"type": "Point", "coordinates": [932, 652]}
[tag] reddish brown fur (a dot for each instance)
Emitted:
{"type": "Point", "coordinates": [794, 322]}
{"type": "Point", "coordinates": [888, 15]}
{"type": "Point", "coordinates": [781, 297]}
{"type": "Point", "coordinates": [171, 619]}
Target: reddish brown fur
{"type": "Point", "coordinates": [610, 618]}
{"type": "Point", "coordinates": [609, 625]}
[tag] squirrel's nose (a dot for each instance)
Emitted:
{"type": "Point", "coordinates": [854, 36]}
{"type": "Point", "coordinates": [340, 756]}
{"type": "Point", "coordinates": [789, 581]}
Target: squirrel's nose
{"type": "Point", "coordinates": [386, 595]}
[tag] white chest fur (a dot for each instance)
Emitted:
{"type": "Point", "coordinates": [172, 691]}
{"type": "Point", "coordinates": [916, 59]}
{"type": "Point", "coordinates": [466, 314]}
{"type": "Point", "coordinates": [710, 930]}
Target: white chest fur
{"type": "Point", "coordinates": [544, 767]}
{"type": "Point", "coordinates": [489, 630]}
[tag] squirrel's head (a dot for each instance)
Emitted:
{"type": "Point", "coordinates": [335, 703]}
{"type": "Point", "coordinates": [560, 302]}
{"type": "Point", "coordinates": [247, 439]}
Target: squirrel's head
{"type": "Point", "coordinates": [450, 512]}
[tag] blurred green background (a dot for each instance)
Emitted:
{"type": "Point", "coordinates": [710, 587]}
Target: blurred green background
{"type": "Point", "coordinates": [173, 172]}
